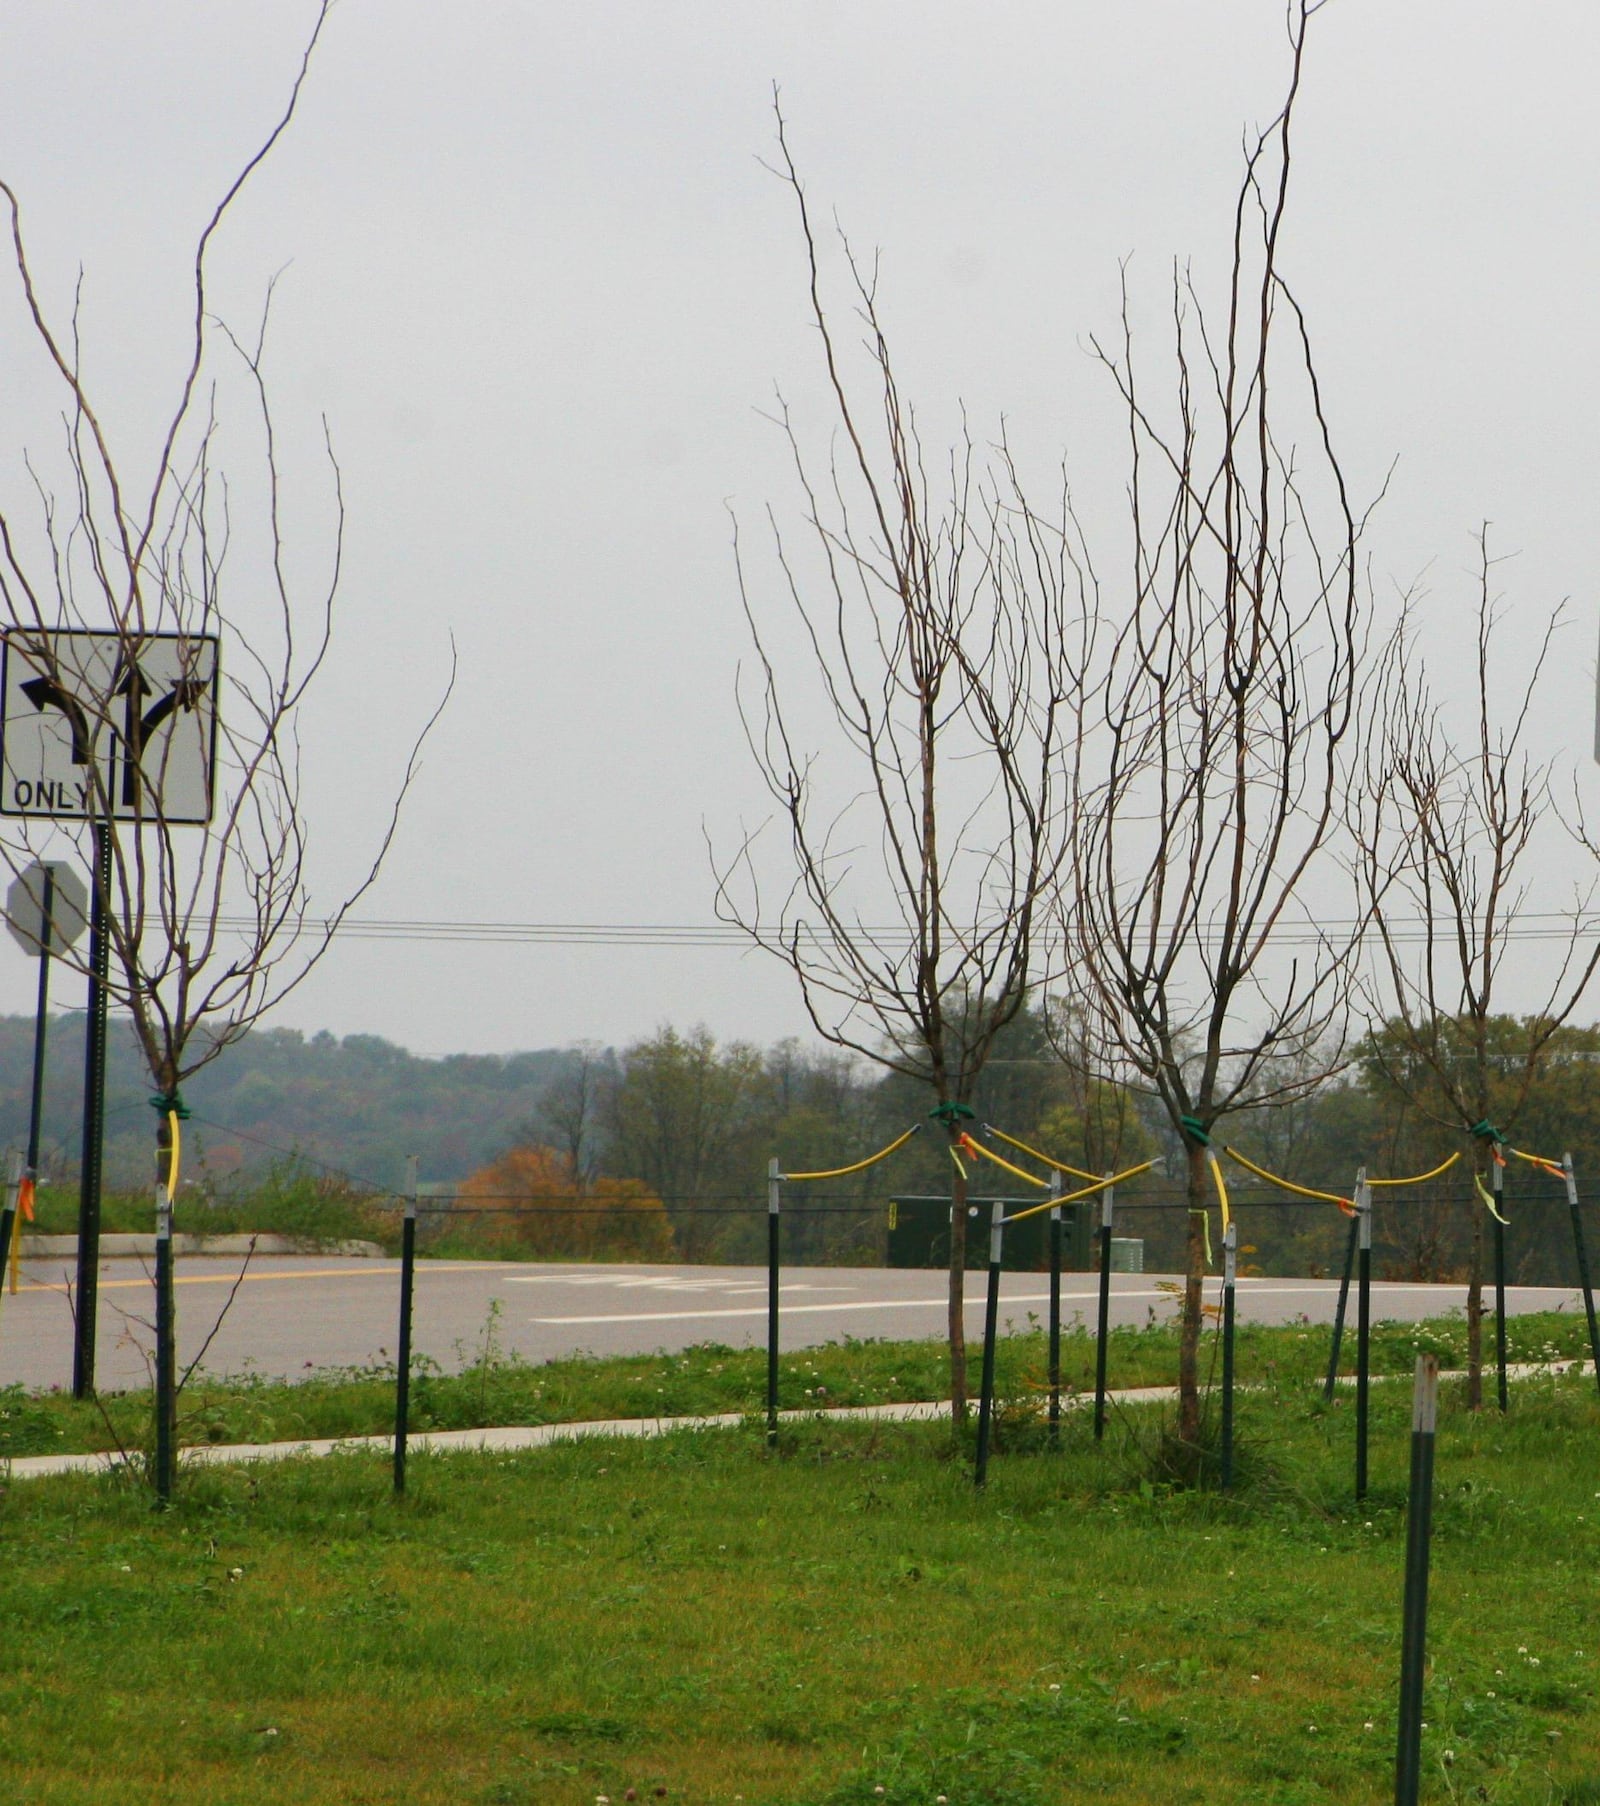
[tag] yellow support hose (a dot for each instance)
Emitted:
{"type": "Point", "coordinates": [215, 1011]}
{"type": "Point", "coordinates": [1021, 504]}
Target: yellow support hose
{"type": "Point", "coordinates": [1300, 1191]}
{"type": "Point", "coordinates": [174, 1156]}
{"type": "Point", "coordinates": [1222, 1191]}
{"type": "Point", "coordinates": [1488, 1199]}
{"type": "Point", "coordinates": [977, 1147]}
{"type": "Point", "coordinates": [1022, 1147]}
{"type": "Point", "coordinates": [860, 1166]}
{"type": "Point", "coordinates": [1538, 1160]}
{"type": "Point", "coordinates": [1072, 1197]}
{"type": "Point", "coordinates": [1417, 1178]}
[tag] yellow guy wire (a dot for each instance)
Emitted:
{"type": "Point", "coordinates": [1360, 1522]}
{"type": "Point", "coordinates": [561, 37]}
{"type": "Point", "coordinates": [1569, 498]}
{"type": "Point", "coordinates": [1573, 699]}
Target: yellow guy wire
{"type": "Point", "coordinates": [1088, 1191]}
{"type": "Point", "coordinates": [1538, 1160]}
{"type": "Point", "coordinates": [1488, 1198]}
{"type": "Point", "coordinates": [1022, 1147]}
{"type": "Point", "coordinates": [839, 1172]}
{"type": "Point", "coordinates": [1417, 1178]}
{"type": "Point", "coordinates": [977, 1147]}
{"type": "Point", "coordinates": [1300, 1191]}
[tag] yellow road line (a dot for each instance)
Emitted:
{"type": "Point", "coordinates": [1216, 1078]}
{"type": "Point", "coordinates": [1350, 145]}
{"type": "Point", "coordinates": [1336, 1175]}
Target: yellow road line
{"type": "Point", "coordinates": [228, 1279]}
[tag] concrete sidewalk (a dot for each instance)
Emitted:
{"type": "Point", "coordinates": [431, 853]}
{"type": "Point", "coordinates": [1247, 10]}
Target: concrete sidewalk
{"type": "Point", "coordinates": [537, 1436]}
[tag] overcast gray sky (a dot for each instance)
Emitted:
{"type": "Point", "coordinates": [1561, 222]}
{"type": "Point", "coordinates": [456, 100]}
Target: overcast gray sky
{"type": "Point", "coordinates": [542, 288]}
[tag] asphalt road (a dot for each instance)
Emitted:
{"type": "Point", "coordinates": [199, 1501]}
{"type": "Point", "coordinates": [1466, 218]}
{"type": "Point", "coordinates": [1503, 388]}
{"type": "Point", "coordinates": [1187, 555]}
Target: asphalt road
{"type": "Point", "coordinates": [291, 1314]}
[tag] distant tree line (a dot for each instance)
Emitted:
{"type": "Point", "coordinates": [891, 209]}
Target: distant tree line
{"type": "Point", "coordinates": [694, 1121]}
{"type": "Point", "coordinates": [659, 1149]}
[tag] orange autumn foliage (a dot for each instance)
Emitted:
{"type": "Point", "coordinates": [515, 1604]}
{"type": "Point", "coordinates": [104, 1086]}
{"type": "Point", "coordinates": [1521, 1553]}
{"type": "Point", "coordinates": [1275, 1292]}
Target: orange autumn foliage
{"type": "Point", "coordinates": [532, 1205]}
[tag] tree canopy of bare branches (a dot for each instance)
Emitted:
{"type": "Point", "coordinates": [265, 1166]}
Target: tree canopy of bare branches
{"type": "Point", "coordinates": [1447, 829]}
{"type": "Point", "coordinates": [944, 622]}
{"type": "Point", "coordinates": [208, 928]}
{"type": "Point", "coordinates": [1223, 719]}
{"type": "Point", "coordinates": [130, 549]}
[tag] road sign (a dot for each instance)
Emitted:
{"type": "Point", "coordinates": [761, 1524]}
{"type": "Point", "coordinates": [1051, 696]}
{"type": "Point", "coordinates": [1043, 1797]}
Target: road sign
{"type": "Point", "coordinates": [97, 724]}
{"type": "Point", "coordinates": [69, 905]}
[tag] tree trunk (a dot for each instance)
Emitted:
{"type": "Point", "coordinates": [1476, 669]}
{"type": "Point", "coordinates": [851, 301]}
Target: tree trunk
{"type": "Point", "coordinates": [1193, 1300]}
{"type": "Point", "coordinates": [958, 1289]}
{"type": "Point", "coordinates": [1475, 1311]}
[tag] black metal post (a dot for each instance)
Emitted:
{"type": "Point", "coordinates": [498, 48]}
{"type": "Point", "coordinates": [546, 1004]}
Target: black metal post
{"type": "Point", "coordinates": [94, 1117]}
{"type": "Point", "coordinates": [1339, 1310]}
{"type": "Point", "coordinates": [1363, 1328]}
{"type": "Point", "coordinates": [1414, 1617]}
{"type": "Point", "coordinates": [1497, 1173]}
{"type": "Point", "coordinates": [774, 1191]}
{"type": "Point", "coordinates": [166, 1320]}
{"type": "Point", "coordinates": [1103, 1326]}
{"type": "Point", "coordinates": [991, 1329]}
{"type": "Point", "coordinates": [1230, 1269]}
{"type": "Point", "coordinates": [1583, 1263]}
{"type": "Point", "coordinates": [1055, 1313]}
{"type": "Point", "coordinates": [402, 1375]}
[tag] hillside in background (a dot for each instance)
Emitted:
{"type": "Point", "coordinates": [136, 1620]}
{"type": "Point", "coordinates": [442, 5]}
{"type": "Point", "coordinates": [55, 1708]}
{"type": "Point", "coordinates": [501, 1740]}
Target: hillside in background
{"type": "Point", "coordinates": [360, 1104]}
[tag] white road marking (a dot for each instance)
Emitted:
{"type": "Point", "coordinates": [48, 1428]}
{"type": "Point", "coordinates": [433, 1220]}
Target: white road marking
{"type": "Point", "coordinates": [1255, 1287]}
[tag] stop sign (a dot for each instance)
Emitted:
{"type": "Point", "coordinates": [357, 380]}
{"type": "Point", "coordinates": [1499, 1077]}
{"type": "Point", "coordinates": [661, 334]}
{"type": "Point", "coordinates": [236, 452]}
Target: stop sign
{"type": "Point", "coordinates": [69, 903]}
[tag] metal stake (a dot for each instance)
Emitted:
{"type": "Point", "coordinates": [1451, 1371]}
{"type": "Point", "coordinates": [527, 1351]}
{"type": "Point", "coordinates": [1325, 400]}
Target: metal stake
{"type": "Point", "coordinates": [1414, 1618]}
{"type": "Point", "coordinates": [1363, 1327]}
{"type": "Point", "coordinates": [1107, 1212]}
{"type": "Point", "coordinates": [1339, 1310]}
{"type": "Point", "coordinates": [774, 1195]}
{"type": "Point", "coordinates": [991, 1326]}
{"type": "Point", "coordinates": [1230, 1267]}
{"type": "Point", "coordinates": [1583, 1263]}
{"type": "Point", "coordinates": [1497, 1175]}
{"type": "Point", "coordinates": [408, 1275]}
{"type": "Point", "coordinates": [94, 1118]}
{"type": "Point", "coordinates": [1055, 1313]}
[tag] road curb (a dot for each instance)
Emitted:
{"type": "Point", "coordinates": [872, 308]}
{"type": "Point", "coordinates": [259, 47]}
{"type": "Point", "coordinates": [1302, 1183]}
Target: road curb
{"type": "Point", "coordinates": [121, 1246]}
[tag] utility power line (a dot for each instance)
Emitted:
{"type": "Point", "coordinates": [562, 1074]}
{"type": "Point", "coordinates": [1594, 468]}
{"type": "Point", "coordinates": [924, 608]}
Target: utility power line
{"type": "Point", "coordinates": [1533, 926]}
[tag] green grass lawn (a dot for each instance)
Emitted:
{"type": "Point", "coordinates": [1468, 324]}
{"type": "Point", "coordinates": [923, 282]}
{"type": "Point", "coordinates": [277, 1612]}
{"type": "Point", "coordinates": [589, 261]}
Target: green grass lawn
{"type": "Point", "coordinates": [700, 1615]}
{"type": "Point", "coordinates": [493, 1388]}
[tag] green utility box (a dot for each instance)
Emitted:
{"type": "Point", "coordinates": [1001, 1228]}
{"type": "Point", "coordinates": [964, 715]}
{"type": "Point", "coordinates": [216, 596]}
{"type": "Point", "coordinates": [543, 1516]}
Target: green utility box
{"type": "Point", "coordinates": [919, 1234]}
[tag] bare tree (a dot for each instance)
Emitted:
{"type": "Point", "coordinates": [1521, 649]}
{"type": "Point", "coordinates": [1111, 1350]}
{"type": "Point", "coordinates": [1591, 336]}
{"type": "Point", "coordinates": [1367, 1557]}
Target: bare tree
{"type": "Point", "coordinates": [1448, 830]}
{"type": "Point", "coordinates": [178, 691]}
{"type": "Point", "coordinates": [943, 620]}
{"type": "Point", "coordinates": [1224, 715]}
{"type": "Point", "coordinates": [569, 1109]}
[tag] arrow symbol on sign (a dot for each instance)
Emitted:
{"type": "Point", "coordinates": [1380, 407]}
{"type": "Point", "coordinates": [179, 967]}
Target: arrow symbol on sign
{"type": "Point", "coordinates": [185, 694]}
{"type": "Point", "coordinates": [45, 693]}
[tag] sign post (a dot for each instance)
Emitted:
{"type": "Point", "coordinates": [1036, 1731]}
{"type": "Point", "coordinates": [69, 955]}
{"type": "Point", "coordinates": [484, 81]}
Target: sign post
{"type": "Point", "coordinates": [110, 728]}
{"type": "Point", "coordinates": [94, 1121]}
{"type": "Point", "coordinates": [44, 912]}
